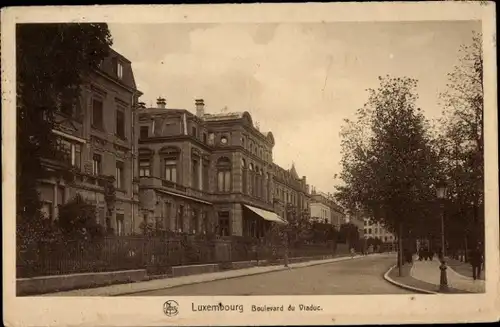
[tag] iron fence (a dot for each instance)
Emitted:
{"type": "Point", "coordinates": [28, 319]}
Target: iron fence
{"type": "Point", "coordinates": [156, 254]}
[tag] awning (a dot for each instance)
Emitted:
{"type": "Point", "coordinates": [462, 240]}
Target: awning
{"type": "Point", "coordinates": [267, 215]}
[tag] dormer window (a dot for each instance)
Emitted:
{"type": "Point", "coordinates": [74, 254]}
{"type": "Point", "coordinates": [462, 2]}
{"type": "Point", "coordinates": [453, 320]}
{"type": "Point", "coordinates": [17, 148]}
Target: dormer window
{"type": "Point", "coordinates": [119, 69]}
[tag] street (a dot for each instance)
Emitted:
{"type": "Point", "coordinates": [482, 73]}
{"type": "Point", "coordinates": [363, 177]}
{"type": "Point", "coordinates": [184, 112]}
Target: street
{"type": "Point", "coordinates": [357, 276]}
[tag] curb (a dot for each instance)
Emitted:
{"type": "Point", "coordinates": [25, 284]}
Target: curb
{"type": "Point", "coordinates": [404, 286]}
{"type": "Point", "coordinates": [232, 277]}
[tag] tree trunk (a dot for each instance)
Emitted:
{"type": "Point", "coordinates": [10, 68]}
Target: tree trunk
{"type": "Point", "coordinates": [466, 254]}
{"type": "Point", "coordinates": [400, 254]}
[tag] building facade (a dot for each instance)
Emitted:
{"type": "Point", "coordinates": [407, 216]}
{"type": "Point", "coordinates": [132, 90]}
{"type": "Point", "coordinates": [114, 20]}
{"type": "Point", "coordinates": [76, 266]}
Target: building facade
{"type": "Point", "coordinates": [376, 230]}
{"type": "Point", "coordinates": [290, 190]}
{"type": "Point", "coordinates": [324, 209]}
{"type": "Point", "coordinates": [96, 140]}
{"type": "Point", "coordinates": [205, 173]}
{"type": "Point", "coordinates": [356, 220]}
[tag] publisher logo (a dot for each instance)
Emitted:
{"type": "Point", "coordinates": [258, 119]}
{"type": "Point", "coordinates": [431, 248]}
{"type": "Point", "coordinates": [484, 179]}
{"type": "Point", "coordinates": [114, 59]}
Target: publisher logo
{"type": "Point", "coordinates": [171, 308]}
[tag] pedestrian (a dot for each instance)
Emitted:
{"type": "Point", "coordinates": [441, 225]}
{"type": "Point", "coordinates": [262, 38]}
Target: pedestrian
{"type": "Point", "coordinates": [352, 253]}
{"type": "Point", "coordinates": [476, 262]}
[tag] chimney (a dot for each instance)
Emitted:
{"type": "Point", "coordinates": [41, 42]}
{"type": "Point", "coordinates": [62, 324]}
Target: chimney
{"type": "Point", "coordinates": [161, 103]}
{"type": "Point", "coordinates": [200, 107]}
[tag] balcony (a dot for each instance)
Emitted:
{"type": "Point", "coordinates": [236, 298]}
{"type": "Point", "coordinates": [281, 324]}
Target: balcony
{"type": "Point", "coordinates": [170, 186]}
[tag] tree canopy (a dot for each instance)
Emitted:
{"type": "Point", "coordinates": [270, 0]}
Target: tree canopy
{"type": "Point", "coordinates": [389, 164]}
{"type": "Point", "coordinates": [461, 140]}
{"type": "Point", "coordinates": [53, 60]}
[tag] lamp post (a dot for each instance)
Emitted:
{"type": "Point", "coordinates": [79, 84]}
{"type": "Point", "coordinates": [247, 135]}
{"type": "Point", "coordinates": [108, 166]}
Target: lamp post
{"type": "Point", "coordinates": [441, 193]}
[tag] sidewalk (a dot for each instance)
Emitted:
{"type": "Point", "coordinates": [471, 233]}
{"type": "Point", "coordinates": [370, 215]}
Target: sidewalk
{"type": "Point", "coordinates": [429, 272]}
{"type": "Point", "coordinates": [463, 268]}
{"type": "Point", "coordinates": [124, 289]}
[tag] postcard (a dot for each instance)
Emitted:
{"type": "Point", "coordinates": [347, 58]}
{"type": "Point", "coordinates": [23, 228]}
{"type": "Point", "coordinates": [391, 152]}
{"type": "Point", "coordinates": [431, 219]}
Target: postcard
{"type": "Point", "coordinates": [250, 164]}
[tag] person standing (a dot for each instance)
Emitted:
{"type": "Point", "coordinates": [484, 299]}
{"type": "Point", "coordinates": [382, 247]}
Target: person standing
{"type": "Point", "coordinates": [476, 262]}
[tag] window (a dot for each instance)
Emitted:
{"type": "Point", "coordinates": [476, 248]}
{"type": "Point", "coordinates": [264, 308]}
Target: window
{"type": "Point", "coordinates": [256, 186]}
{"type": "Point", "coordinates": [144, 133]}
{"type": "Point", "coordinates": [205, 176]}
{"type": "Point", "coordinates": [195, 221]}
{"type": "Point", "coordinates": [224, 224]}
{"type": "Point", "coordinates": [369, 230]}
{"type": "Point", "coordinates": [211, 138]}
{"type": "Point", "coordinates": [60, 195]}
{"type": "Point", "coordinates": [77, 158]}
{"type": "Point", "coordinates": [97, 114]}
{"type": "Point", "coordinates": [244, 176]}
{"type": "Point", "coordinates": [97, 164]}
{"type": "Point", "coordinates": [194, 132]}
{"type": "Point", "coordinates": [269, 193]}
{"type": "Point", "coordinates": [166, 215]}
{"type": "Point", "coordinates": [119, 224]}
{"type": "Point", "coordinates": [144, 167]}
{"type": "Point", "coordinates": [179, 224]}
{"type": "Point", "coordinates": [47, 210]}
{"type": "Point", "coordinates": [120, 124]}
{"type": "Point", "coordinates": [205, 138]}
{"type": "Point", "coordinates": [119, 70]}
{"type": "Point", "coordinates": [119, 175]}
{"type": "Point", "coordinates": [195, 173]}
{"type": "Point", "coordinates": [204, 221]}
{"type": "Point", "coordinates": [224, 175]}
{"type": "Point", "coordinates": [243, 142]}
{"type": "Point", "coordinates": [171, 170]}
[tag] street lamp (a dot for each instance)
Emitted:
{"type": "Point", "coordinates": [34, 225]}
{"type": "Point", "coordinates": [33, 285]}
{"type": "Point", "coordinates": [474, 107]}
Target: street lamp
{"type": "Point", "coordinates": [441, 193]}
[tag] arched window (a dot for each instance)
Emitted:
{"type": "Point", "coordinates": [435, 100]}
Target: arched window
{"type": "Point", "coordinates": [269, 191]}
{"type": "Point", "coordinates": [250, 177]}
{"type": "Point", "coordinates": [244, 176]}
{"type": "Point", "coordinates": [256, 182]}
{"type": "Point", "coordinates": [224, 175]}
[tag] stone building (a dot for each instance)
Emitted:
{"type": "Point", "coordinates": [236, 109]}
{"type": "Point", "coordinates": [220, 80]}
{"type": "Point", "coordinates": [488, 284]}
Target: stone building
{"type": "Point", "coordinates": [204, 172]}
{"type": "Point", "coordinates": [290, 189]}
{"type": "Point", "coordinates": [96, 138]}
{"type": "Point", "coordinates": [376, 230]}
{"type": "Point", "coordinates": [324, 209]}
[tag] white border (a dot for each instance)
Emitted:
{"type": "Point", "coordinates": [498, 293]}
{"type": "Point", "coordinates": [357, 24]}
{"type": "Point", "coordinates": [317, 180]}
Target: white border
{"type": "Point", "coordinates": [375, 309]}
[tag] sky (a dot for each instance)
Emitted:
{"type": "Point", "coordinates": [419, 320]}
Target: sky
{"type": "Point", "coordinates": [299, 81]}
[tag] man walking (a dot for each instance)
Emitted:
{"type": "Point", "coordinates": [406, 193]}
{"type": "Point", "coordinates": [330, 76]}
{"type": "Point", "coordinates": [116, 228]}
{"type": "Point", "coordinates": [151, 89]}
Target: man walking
{"type": "Point", "coordinates": [476, 260]}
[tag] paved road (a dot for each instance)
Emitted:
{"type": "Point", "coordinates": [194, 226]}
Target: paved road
{"type": "Point", "coordinates": [357, 276]}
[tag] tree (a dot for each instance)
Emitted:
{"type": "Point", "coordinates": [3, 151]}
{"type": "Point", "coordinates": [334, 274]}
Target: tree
{"type": "Point", "coordinates": [462, 142]}
{"type": "Point", "coordinates": [53, 60]}
{"type": "Point", "coordinates": [348, 233]}
{"type": "Point", "coordinates": [389, 164]}
{"type": "Point", "coordinates": [299, 226]}
{"type": "Point", "coordinates": [78, 220]}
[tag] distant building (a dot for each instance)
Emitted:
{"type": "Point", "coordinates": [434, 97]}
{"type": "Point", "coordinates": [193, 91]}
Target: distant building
{"type": "Point", "coordinates": [289, 189]}
{"type": "Point", "coordinates": [95, 139]}
{"type": "Point", "coordinates": [324, 209]}
{"type": "Point", "coordinates": [376, 230]}
{"type": "Point", "coordinates": [356, 220]}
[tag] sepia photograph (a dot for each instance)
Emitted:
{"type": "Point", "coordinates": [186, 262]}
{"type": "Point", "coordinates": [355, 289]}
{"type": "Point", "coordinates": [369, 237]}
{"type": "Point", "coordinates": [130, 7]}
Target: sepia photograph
{"type": "Point", "coordinates": [183, 161]}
